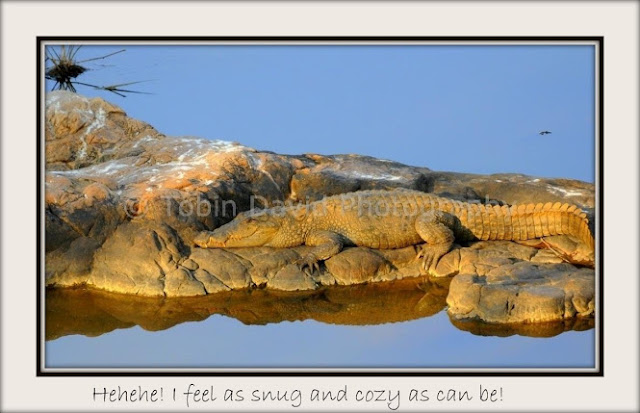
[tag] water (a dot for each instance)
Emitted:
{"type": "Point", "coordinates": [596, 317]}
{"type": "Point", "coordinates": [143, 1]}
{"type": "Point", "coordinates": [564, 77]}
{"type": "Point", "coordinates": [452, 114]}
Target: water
{"type": "Point", "coordinates": [402, 324]}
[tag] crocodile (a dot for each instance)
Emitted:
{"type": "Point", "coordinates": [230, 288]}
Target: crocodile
{"type": "Point", "coordinates": [382, 219]}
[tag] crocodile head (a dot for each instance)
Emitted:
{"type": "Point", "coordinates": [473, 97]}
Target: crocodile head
{"type": "Point", "coordinates": [248, 229]}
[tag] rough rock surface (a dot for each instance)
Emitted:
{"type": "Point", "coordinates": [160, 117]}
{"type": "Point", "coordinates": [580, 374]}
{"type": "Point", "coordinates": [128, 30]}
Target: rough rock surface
{"type": "Point", "coordinates": [123, 203]}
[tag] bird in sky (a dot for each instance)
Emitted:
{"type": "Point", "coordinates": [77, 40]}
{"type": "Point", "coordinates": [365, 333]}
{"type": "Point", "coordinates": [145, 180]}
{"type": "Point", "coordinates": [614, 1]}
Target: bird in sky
{"type": "Point", "coordinates": [545, 132]}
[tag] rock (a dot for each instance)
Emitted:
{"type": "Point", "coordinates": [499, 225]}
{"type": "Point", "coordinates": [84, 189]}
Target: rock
{"type": "Point", "coordinates": [58, 233]}
{"type": "Point", "coordinates": [291, 278]}
{"type": "Point", "coordinates": [181, 282]}
{"type": "Point", "coordinates": [229, 269]}
{"type": "Point", "coordinates": [123, 204]}
{"type": "Point", "coordinates": [136, 259]}
{"type": "Point", "coordinates": [95, 192]}
{"type": "Point", "coordinates": [449, 265]}
{"type": "Point", "coordinates": [337, 174]}
{"type": "Point", "coordinates": [190, 264]}
{"type": "Point", "coordinates": [80, 132]}
{"type": "Point", "coordinates": [264, 263]}
{"type": "Point", "coordinates": [357, 265]}
{"type": "Point", "coordinates": [523, 292]}
{"type": "Point", "coordinates": [210, 283]}
{"type": "Point", "coordinates": [70, 267]}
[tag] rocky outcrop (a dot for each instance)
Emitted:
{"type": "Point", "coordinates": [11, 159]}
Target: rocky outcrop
{"type": "Point", "coordinates": [123, 204]}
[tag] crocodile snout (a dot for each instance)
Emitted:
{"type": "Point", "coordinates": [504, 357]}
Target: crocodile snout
{"type": "Point", "coordinates": [206, 240]}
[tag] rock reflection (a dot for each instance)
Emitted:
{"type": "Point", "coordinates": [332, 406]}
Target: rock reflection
{"type": "Point", "coordinates": [548, 329]}
{"type": "Point", "coordinates": [92, 312]}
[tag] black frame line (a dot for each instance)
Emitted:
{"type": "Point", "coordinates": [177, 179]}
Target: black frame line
{"type": "Point", "coordinates": [348, 40]}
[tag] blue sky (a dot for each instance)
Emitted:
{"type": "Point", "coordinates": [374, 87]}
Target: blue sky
{"type": "Point", "coordinates": [453, 108]}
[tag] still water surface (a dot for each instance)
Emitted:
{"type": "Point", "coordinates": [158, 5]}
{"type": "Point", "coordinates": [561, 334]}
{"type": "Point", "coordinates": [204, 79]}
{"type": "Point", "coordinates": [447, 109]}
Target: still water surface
{"type": "Point", "coordinates": [399, 324]}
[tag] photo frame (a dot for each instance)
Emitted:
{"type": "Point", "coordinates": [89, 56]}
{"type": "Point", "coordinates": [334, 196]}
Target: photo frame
{"type": "Point", "coordinates": [406, 381]}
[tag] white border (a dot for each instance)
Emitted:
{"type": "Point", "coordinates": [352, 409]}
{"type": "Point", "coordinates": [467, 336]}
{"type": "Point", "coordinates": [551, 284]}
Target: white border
{"type": "Point", "coordinates": [616, 21]}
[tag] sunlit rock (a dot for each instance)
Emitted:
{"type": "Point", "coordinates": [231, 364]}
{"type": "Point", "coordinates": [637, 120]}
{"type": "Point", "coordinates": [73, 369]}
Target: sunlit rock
{"type": "Point", "coordinates": [123, 204]}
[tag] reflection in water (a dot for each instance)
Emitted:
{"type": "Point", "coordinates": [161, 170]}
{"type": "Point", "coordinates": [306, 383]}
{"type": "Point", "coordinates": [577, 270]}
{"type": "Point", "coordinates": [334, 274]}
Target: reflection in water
{"type": "Point", "coordinates": [92, 312]}
{"type": "Point", "coordinates": [548, 329]}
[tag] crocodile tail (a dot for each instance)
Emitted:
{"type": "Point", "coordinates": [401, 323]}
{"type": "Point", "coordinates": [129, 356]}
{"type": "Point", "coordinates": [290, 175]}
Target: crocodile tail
{"type": "Point", "coordinates": [527, 221]}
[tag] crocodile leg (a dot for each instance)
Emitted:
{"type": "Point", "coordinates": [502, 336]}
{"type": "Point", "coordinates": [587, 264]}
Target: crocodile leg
{"type": "Point", "coordinates": [326, 244]}
{"type": "Point", "coordinates": [435, 228]}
